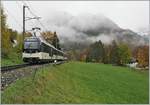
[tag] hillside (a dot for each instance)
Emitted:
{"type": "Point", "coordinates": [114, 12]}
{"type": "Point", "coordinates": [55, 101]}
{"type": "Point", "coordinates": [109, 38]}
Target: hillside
{"type": "Point", "coordinates": [85, 29]}
{"type": "Point", "coordinates": [77, 82]}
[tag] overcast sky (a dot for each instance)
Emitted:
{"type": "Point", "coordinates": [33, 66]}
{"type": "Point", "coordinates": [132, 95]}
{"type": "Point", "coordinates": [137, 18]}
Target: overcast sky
{"type": "Point", "coordinates": [132, 15]}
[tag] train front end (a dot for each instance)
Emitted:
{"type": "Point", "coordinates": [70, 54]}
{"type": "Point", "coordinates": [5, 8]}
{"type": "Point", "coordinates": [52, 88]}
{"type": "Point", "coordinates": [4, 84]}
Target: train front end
{"type": "Point", "coordinates": [31, 50]}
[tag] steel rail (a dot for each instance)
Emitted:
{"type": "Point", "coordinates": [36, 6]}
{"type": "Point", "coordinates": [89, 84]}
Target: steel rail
{"type": "Point", "coordinates": [12, 67]}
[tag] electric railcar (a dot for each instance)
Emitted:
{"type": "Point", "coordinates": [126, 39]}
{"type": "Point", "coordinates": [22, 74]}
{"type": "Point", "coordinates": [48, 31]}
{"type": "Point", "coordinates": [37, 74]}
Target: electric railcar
{"type": "Point", "coordinates": [36, 50]}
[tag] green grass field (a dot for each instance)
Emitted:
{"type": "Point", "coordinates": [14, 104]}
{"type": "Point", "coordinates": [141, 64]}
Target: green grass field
{"type": "Point", "coordinates": [12, 59]}
{"type": "Point", "coordinates": [77, 82]}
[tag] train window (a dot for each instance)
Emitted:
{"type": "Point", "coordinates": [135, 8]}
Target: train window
{"type": "Point", "coordinates": [51, 52]}
{"type": "Point", "coordinates": [31, 39]}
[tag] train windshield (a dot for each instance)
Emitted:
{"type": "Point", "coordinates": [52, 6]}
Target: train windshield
{"type": "Point", "coordinates": [31, 43]}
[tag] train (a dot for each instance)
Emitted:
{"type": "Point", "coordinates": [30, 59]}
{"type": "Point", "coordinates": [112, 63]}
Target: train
{"type": "Point", "coordinates": [38, 50]}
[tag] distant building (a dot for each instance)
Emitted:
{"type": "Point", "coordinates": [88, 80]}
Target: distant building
{"type": "Point", "coordinates": [133, 63]}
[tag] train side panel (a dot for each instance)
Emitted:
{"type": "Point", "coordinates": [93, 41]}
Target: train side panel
{"type": "Point", "coordinates": [40, 56]}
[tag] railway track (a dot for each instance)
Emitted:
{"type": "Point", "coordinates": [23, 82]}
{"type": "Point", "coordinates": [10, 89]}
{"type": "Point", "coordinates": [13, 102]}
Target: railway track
{"type": "Point", "coordinates": [10, 74]}
{"type": "Point", "coordinates": [12, 67]}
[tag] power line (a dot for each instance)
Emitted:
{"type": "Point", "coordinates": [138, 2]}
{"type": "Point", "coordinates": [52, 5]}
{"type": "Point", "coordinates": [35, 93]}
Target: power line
{"type": "Point", "coordinates": [30, 9]}
{"type": "Point", "coordinates": [20, 7]}
{"type": "Point", "coordinates": [35, 15]}
{"type": "Point", "coordinates": [30, 5]}
{"type": "Point", "coordinates": [38, 20]}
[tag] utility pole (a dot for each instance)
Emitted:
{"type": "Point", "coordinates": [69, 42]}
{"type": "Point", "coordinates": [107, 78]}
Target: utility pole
{"type": "Point", "coordinates": [24, 21]}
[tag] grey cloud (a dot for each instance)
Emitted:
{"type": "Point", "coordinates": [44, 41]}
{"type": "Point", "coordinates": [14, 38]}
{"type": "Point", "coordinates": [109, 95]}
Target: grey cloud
{"type": "Point", "coordinates": [86, 28]}
{"type": "Point", "coordinates": [79, 28]}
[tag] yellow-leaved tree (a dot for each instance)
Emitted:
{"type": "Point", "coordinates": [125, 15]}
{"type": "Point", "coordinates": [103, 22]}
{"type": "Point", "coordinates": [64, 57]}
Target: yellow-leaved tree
{"type": "Point", "coordinates": [5, 36]}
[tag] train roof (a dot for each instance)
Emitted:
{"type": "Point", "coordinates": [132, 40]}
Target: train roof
{"type": "Point", "coordinates": [44, 41]}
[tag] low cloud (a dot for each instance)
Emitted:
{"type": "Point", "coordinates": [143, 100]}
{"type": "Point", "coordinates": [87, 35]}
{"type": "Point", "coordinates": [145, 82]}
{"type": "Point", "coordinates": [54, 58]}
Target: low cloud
{"type": "Point", "coordinates": [105, 38]}
{"type": "Point", "coordinates": [80, 28]}
{"type": "Point", "coordinates": [86, 28]}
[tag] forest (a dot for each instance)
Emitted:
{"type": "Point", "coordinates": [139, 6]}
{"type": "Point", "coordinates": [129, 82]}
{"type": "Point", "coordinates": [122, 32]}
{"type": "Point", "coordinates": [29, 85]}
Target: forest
{"type": "Point", "coordinates": [116, 54]}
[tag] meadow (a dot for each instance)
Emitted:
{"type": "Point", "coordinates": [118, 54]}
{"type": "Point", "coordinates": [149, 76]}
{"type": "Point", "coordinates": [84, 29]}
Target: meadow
{"type": "Point", "coordinates": [12, 59]}
{"type": "Point", "coordinates": [77, 82]}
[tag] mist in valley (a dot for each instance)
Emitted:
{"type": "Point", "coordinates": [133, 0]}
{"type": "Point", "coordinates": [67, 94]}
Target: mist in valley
{"type": "Point", "coordinates": [84, 29]}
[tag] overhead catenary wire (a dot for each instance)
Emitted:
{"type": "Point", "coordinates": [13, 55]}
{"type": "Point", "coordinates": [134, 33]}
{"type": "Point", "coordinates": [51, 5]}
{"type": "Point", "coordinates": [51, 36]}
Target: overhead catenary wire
{"type": "Point", "coordinates": [33, 13]}
{"type": "Point", "coordinates": [20, 5]}
{"type": "Point", "coordinates": [28, 3]}
{"type": "Point", "coordinates": [37, 19]}
{"type": "Point", "coordinates": [35, 16]}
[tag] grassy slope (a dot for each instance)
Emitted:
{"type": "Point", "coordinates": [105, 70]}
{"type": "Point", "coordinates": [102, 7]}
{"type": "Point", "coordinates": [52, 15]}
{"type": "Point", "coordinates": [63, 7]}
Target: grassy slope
{"type": "Point", "coordinates": [12, 59]}
{"type": "Point", "coordinates": [76, 82]}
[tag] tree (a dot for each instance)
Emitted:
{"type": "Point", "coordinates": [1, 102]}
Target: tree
{"type": "Point", "coordinates": [5, 36]}
{"type": "Point", "coordinates": [96, 52]}
{"type": "Point", "coordinates": [83, 54]}
{"type": "Point", "coordinates": [51, 38]}
{"type": "Point", "coordinates": [107, 54]}
{"type": "Point", "coordinates": [19, 43]}
{"type": "Point", "coordinates": [141, 53]}
{"type": "Point", "coordinates": [28, 34]}
{"type": "Point", "coordinates": [73, 55]}
{"type": "Point", "coordinates": [13, 35]}
{"type": "Point", "coordinates": [113, 56]}
{"type": "Point", "coordinates": [55, 41]}
{"type": "Point", "coordinates": [119, 54]}
{"type": "Point", "coordinates": [124, 54]}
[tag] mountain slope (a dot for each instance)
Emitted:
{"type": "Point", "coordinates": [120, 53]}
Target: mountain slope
{"type": "Point", "coordinates": [88, 28]}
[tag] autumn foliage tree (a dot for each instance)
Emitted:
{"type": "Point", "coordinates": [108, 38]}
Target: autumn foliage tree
{"type": "Point", "coordinates": [141, 53]}
{"type": "Point", "coordinates": [28, 34]}
{"type": "Point", "coordinates": [9, 38]}
{"type": "Point", "coordinates": [5, 36]}
{"type": "Point", "coordinates": [51, 38]}
{"type": "Point", "coordinates": [83, 54]}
